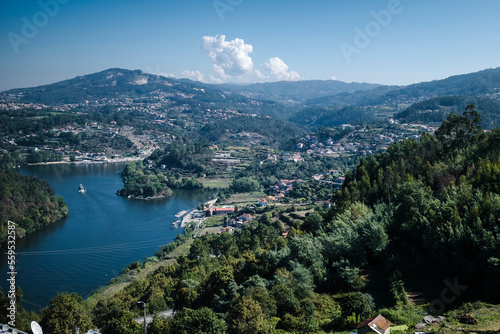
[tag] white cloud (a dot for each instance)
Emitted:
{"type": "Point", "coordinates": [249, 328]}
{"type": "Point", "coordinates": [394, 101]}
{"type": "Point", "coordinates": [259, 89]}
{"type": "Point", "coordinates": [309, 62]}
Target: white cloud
{"type": "Point", "coordinates": [193, 75]}
{"type": "Point", "coordinates": [230, 58]}
{"type": "Point", "coordinates": [157, 71]}
{"type": "Point", "coordinates": [231, 61]}
{"type": "Point", "coordinates": [333, 77]}
{"type": "Point", "coordinates": [167, 75]}
{"type": "Point", "coordinates": [278, 70]}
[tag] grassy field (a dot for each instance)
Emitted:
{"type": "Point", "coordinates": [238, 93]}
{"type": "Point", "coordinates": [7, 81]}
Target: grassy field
{"type": "Point", "coordinates": [215, 183]}
{"type": "Point", "coordinates": [237, 148]}
{"type": "Point", "coordinates": [245, 198]}
{"type": "Point", "coordinates": [213, 221]}
{"type": "Point", "coordinates": [212, 230]}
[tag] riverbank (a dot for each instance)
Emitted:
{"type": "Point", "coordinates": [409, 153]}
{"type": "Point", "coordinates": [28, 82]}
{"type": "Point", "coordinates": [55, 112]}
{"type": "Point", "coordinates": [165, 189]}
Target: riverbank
{"type": "Point", "coordinates": [84, 162]}
{"type": "Point", "coordinates": [146, 198]}
{"type": "Point", "coordinates": [197, 216]}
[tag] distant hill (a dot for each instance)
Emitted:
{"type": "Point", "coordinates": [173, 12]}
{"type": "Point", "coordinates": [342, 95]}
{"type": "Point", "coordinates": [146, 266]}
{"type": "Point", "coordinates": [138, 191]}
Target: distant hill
{"type": "Point", "coordinates": [437, 109]}
{"type": "Point", "coordinates": [137, 86]}
{"type": "Point", "coordinates": [181, 107]}
{"type": "Point", "coordinates": [297, 92]}
{"type": "Point", "coordinates": [110, 83]}
{"type": "Point", "coordinates": [359, 98]}
{"type": "Point", "coordinates": [472, 84]}
{"type": "Point", "coordinates": [316, 117]}
{"type": "Point", "coordinates": [483, 83]}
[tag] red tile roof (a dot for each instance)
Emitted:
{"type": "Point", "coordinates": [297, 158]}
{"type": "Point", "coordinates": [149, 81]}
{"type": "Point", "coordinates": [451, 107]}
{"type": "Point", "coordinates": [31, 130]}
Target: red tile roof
{"type": "Point", "coordinates": [378, 321]}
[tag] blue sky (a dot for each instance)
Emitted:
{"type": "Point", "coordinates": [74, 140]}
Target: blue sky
{"type": "Point", "coordinates": [379, 41]}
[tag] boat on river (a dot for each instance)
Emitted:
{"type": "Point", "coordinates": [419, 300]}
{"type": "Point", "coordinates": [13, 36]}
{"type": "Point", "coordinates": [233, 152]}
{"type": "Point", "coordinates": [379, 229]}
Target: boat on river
{"type": "Point", "coordinates": [81, 188]}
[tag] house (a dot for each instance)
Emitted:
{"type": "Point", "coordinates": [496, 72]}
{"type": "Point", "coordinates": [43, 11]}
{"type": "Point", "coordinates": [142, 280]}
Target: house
{"type": "Point", "coordinates": [262, 202]}
{"type": "Point", "coordinates": [228, 229]}
{"type": "Point", "coordinates": [219, 211]}
{"type": "Point", "coordinates": [377, 325]}
{"type": "Point", "coordinates": [245, 217]}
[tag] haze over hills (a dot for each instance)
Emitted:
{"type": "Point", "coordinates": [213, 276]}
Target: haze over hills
{"type": "Point", "coordinates": [297, 92]}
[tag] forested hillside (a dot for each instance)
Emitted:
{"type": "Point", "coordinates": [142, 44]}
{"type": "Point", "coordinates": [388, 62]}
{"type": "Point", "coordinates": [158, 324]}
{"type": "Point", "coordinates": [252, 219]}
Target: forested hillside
{"type": "Point", "coordinates": [441, 200]}
{"type": "Point", "coordinates": [274, 130]}
{"type": "Point", "coordinates": [437, 109]}
{"type": "Point", "coordinates": [29, 202]}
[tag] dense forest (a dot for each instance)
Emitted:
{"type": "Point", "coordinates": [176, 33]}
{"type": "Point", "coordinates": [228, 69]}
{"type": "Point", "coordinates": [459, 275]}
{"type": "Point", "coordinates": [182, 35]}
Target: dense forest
{"type": "Point", "coordinates": [26, 200]}
{"type": "Point", "coordinates": [441, 198]}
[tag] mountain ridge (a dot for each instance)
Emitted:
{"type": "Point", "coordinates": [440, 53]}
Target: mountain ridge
{"type": "Point", "coordinates": [481, 83]}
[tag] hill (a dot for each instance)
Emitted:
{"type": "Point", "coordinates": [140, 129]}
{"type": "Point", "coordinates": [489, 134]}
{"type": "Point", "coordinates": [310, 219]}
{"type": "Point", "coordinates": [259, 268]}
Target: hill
{"type": "Point", "coordinates": [437, 109]}
{"type": "Point", "coordinates": [316, 117]}
{"type": "Point", "coordinates": [124, 87]}
{"type": "Point", "coordinates": [297, 92]}
{"type": "Point", "coordinates": [483, 83]}
{"type": "Point", "coordinates": [29, 202]}
{"type": "Point", "coordinates": [441, 197]}
{"type": "Point", "coordinates": [146, 102]}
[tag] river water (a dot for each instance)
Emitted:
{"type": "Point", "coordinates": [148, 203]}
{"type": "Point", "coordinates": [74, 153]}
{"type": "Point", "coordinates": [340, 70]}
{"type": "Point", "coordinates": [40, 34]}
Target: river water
{"type": "Point", "coordinates": [102, 234]}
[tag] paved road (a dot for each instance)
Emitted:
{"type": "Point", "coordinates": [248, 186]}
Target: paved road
{"type": "Point", "coordinates": [149, 318]}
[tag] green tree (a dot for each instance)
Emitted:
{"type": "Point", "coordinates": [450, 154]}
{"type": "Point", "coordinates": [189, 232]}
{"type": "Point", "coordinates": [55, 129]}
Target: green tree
{"type": "Point", "coordinates": [245, 184]}
{"type": "Point", "coordinates": [457, 131]}
{"type": "Point", "coordinates": [246, 317]}
{"type": "Point", "coordinates": [123, 325]}
{"type": "Point", "coordinates": [64, 314]}
{"type": "Point", "coordinates": [202, 320]}
{"type": "Point", "coordinates": [355, 303]}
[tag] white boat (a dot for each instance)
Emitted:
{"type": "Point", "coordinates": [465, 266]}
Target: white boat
{"type": "Point", "coordinates": [81, 188]}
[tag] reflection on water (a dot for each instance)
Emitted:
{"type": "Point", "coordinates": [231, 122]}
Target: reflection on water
{"type": "Point", "coordinates": [102, 234]}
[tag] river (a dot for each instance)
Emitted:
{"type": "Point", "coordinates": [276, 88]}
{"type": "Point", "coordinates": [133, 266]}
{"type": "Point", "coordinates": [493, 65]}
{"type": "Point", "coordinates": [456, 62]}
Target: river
{"type": "Point", "coordinates": [102, 234]}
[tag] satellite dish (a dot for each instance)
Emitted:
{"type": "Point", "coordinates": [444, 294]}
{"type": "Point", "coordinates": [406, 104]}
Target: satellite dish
{"type": "Point", "coordinates": [35, 328]}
